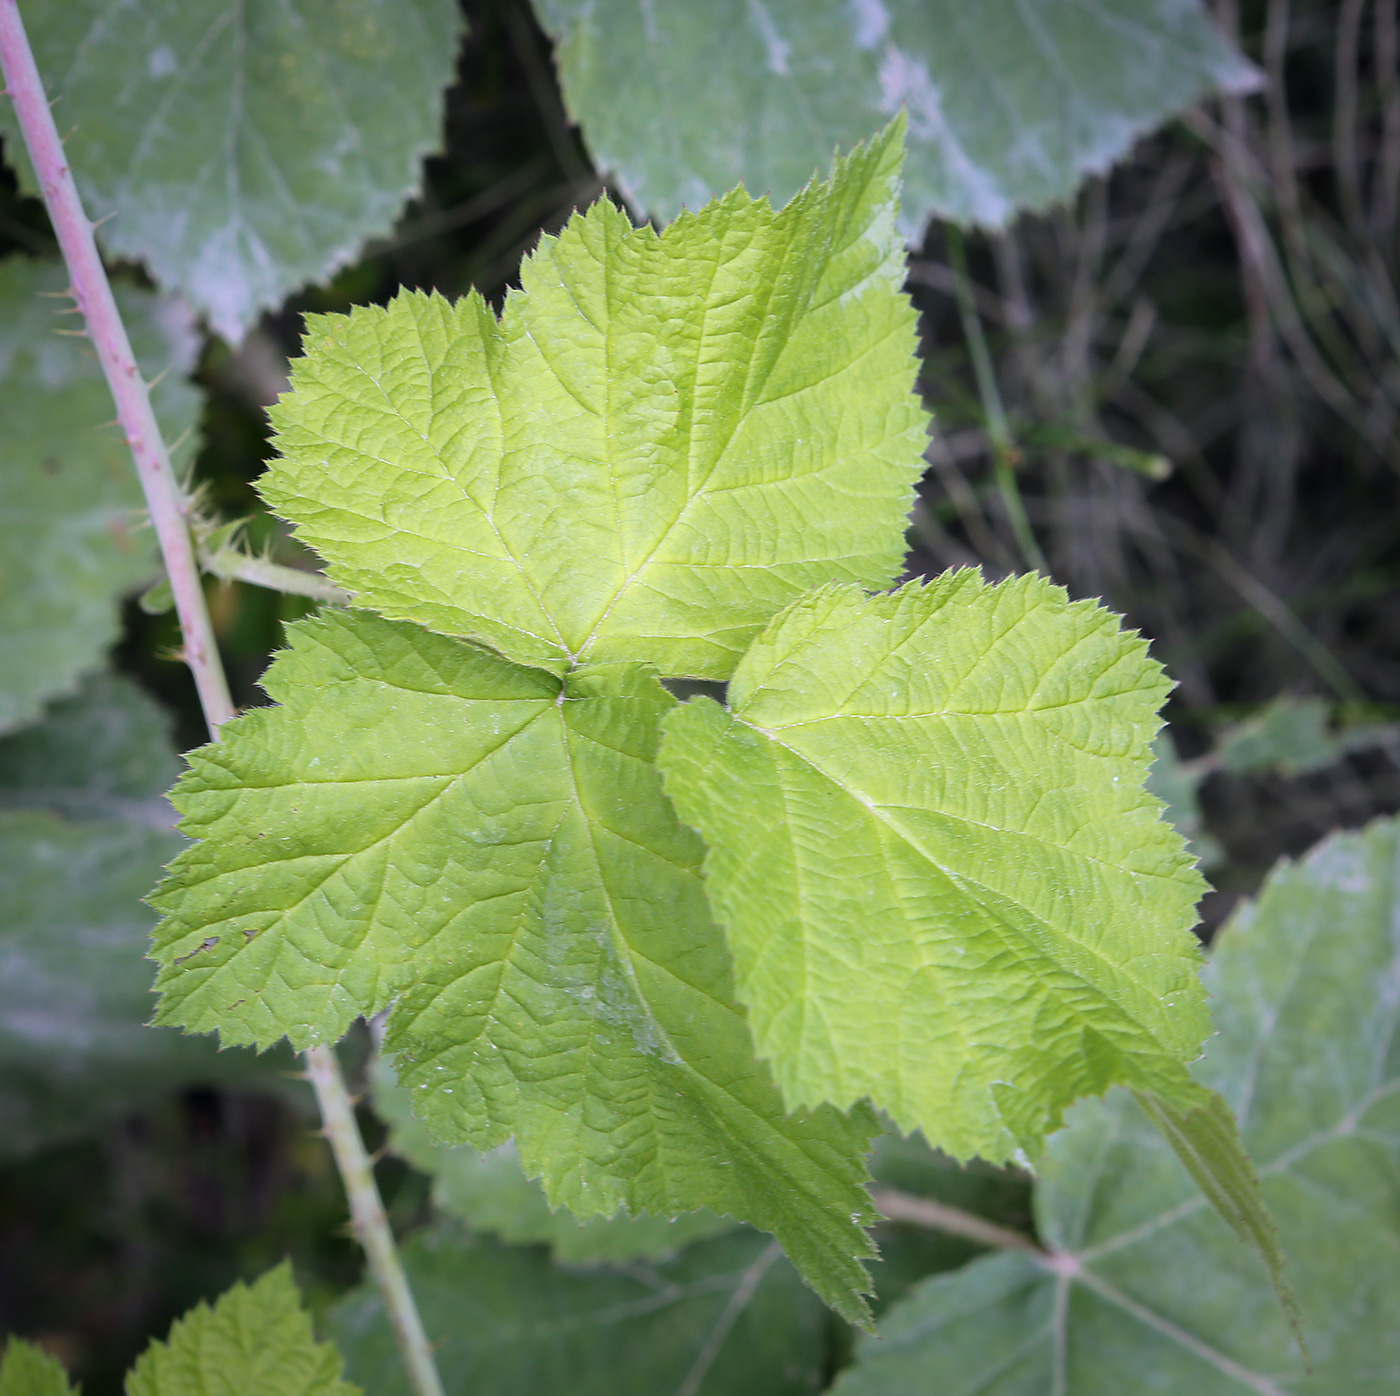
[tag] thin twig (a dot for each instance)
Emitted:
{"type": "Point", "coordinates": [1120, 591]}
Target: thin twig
{"type": "Point", "coordinates": [167, 505]}
{"type": "Point", "coordinates": [371, 1224]}
{"type": "Point", "coordinates": [93, 293]}
{"type": "Point", "coordinates": [1004, 453]}
{"type": "Point", "coordinates": [234, 565]}
{"type": "Point", "coordinates": [939, 1216]}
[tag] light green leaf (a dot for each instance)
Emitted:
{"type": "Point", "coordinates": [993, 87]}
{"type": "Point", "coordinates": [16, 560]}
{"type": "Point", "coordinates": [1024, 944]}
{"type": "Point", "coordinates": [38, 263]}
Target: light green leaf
{"type": "Point", "coordinates": [1010, 104]}
{"type": "Point", "coordinates": [493, 1195]}
{"type": "Point", "coordinates": [243, 147]}
{"type": "Point", "coordinates": [663, 440]}
{"type": "Point", "coordinates": [728, 1317]}
{"type": "Point", "coordinates": [942, 882]}
{"type": "Point", "coordinates": [26, 1370]}
{"type": "Point", "coordinates": [255, 1341]}
{"type": "Point", "coordinates": [1295, 736]}
{"type": "Point", "coordinates": [427, 825]}
{"type": "Point", "coordinates": [83, 830]}
{"type": "Point", "coordinates": [68, 488]}
{"type": "Point", "coordinates": [1148, 1290]}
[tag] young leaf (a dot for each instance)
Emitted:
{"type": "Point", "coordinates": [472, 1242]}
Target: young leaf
{"type": "Point", "coordinates": [256, 1339]}
{"type": "Point", "coordinates": [727, 1317]}
{"type": "Point", "coordinates": [942, 882]}
{"type": "Point", "coordinates": [244, 147]}
{"type": "Point", "coordinates": [488, 848]}
{"type": "Point", "coordinates": [1145, 1277]}
{"type": "Point", "coordinates": [26, 1370]}
{"type": "Point", "coordinates": [1010, 105]}
{"type": "Point", "coordinates": [68, 497]}
{"type": "Point", "coordinates": [83, 830]}
{"type": "Point", "coordinates": [493, 1195]}
{"type": "Point", "coordinates": [663, 440]}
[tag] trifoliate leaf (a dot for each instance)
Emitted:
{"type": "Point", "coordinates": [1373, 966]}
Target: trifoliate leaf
{"type": "Point", "coordinates": [1010, 104]}
{"type": "Point", "coordinates": [83, 830]}
{"type": "Point", "coordinates": [487, 848]}
{"type": "Point", "coordinates": [1147, 1290]}
{"type": "Point", "coordinates": [942, 882]}
{"type": "Point", "coordinates": [493, 1195]}
{"type": "Point", "coordinates": [26, 1370]}
{"type": "Point", "coordinates": [69, 495]}
{"type": "Point", "coordinates": [727, 1317]}
{"type": "Point", "coordinates": [663, 440]}
{"type": "Point", "coordinates": [241, 148]}
{"type": "Point", "coordinates": [255, 1341]}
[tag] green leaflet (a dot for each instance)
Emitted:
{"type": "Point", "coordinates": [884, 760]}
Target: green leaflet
{"type": "Point", "coordinates": [255, 1341]}
{"type": "Point", "coordinates": [727, 1317]}
{"type": "Point", "coordinates": [1150, 1281]}
{"type": "Point", "coordinates": [245, 147]}
{"type": "Point", "coordinates": [941, 880]}
{"type": "Point", "coordinates": [425, 824]}
{"type": "Point", "coordinates": [663, 440]}
{"type": "Point", "coordinates": [493, 1195]}
{"type": "Point", "coordinates": [1010, 104]}
{"type": "Point", "coordinates": [26, 1370]}
{"type": "Point", "coordinates": [83, 831]}
{"type": "Point", "coordinates": [944, 886]}
{"type": "Point", "coordinates": [68, 495]}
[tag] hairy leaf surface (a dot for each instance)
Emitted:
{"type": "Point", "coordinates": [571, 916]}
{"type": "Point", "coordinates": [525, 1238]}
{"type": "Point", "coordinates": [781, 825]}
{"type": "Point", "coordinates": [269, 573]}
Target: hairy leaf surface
{"type": "Point", "coordinates": [1304, 992]}
{"type": "Point", "coordinates": [663, 440]}
{"type": "Point", "coordinates": [727, 1317]}
{"type": "Point", "coordinates": [255, 1339]}
{"type": "Point", "coordinates": [492, 1193]}
{"type": "Point", "coordinates": [425, 824]}
{"type": "Point", "coordinates": [68, 494]}
{"type": "Point", "coordinates": [242, 148]}
{"type": "Point", "coordinates": [83, 831]}
{"type": "Point", "coordinates": [1010, 104]}
{"type": "Point", "coordinates": [941, 879]}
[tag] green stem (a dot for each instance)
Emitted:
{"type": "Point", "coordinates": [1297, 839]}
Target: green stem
{"type": "Point", "coordinates": [371, 1223]}
{"type": "Point", "coordinates": [1004, 452]}
{"type": "Point", "coordinates": [234, 566]}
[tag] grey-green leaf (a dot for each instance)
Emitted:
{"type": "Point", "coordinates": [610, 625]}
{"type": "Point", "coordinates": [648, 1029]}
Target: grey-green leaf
{"type": "Point", "coordinates": [728, 1317]}
{"type": "Point", "coordinates": [69, 496]}
{"type": "Point", "coordinates": [243, 147]}
{"type": "Point", "coordinates": [83, 830]}
{"type": "Point", "coordinates": [1010, 103]}
{"type": "Point", "coordinates": [493, 1195]}
{"type": "Point", "coordinates": [487, 848]}
{"type": "Point", "coordinates": [1146, 1285]}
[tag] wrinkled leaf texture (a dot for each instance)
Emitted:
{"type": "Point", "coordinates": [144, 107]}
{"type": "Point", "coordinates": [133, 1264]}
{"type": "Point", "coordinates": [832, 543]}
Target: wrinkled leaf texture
{"type": "Point", "coordinates": [1304, 989]}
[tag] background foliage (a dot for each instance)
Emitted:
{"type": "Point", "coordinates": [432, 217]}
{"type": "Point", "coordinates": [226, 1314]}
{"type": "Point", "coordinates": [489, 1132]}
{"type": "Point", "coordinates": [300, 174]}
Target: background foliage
{"type": "Point", "coordinates": [1177, 388]}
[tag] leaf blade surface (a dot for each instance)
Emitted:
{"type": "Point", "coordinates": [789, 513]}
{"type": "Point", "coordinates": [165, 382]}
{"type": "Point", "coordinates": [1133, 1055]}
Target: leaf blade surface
{"type": "Point", "coordinates": [425, 824]}
{"type": "Point", "coordinates": [1010, 105]}
{"type": "Point", "coordinates": [942, 882]}
{"type": "Point", "coordinates": [638, 462]}
{"type": "Point", "coordinates": [244, 148]}
{"type": "Point", "coordinates": [1161, 1285]}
